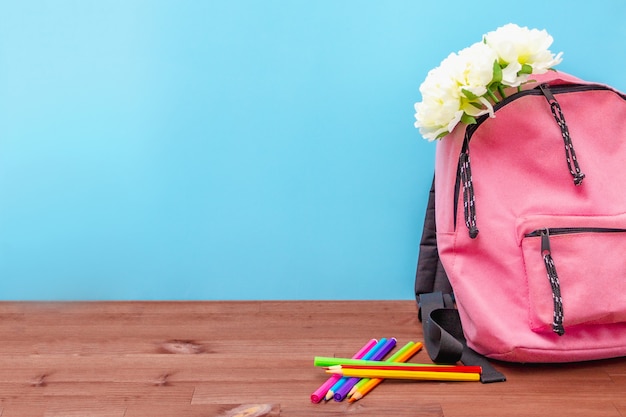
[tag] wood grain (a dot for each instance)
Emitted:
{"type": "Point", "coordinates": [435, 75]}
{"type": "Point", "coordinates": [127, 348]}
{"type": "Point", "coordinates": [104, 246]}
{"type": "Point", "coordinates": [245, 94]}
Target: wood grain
{"type": "Point", "coordinates": [227, 359]}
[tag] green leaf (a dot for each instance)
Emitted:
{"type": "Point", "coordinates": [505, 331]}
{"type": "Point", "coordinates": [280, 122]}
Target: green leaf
{"type": "Point", "coordinates": [467, 119]}
{"type": "Point", "coordinates": [526, 69]}
{"type": "Point", "coordinates": [497, 72]}
{"type": "Point", "coordinates": [469, 94]}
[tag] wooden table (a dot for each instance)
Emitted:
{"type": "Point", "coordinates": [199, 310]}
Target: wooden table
{"type": "Point", "coordinates": [179, 359]}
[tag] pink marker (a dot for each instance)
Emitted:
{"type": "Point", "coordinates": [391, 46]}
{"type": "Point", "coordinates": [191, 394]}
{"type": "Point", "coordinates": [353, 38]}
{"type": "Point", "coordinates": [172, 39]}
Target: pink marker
{"type": "Point", "coordinates": [320, 393]}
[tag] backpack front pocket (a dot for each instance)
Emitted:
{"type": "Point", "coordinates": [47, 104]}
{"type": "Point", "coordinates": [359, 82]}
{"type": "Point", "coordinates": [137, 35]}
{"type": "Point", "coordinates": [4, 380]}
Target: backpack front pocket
{"type": "Point", "coordinates": [575, 270]}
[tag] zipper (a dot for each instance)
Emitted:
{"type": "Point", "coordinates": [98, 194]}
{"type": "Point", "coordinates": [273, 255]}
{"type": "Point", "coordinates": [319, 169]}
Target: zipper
{"type": "Point", "coordinates": [464, 181]}
{"type": "Point", "coordinates": [537, 91]}
{"type": "Point", "coordinates": [548, 260]}
{"type": "Point", "coordinates": [573, 230]}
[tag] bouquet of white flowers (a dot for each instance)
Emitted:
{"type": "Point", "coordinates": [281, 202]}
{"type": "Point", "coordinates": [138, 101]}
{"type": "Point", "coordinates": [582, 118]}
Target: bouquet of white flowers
{"type": "Point", "coordinates": [467, 84]}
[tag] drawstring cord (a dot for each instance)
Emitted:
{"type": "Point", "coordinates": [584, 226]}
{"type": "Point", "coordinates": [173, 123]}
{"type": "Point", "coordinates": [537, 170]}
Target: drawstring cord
{"type": "Point", "coordinates": [469, 199]}
{"type": "Point", "coordinates": [570, 154]}
{"type": "Point", "coordinates": [546, 253]}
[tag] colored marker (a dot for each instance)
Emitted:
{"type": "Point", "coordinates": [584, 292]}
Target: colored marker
{"type": "Point", "coordinates": [368, 356]}
{"type": "Point", "coordinates": [319, 393]}
{"type": "Point", "coordinates": [463, 369]}
{"type": "Point", "coordinates": [372, 383]}
{"type": "Point", "coordinates": [400, 355]}
{"type": "Point", "coordinates": [325, 361]}
{"type": "Point", "coordinates": [416, 375]}
{"type": "Point", "coordinates": [342, 392]}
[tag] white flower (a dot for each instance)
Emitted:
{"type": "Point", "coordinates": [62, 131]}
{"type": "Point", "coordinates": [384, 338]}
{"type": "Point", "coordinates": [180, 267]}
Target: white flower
{"type": "Point", "coordinates": [453, 89]}
{"type": "Point", "coordinates": [466, 84]}
{"type": "Point", "coordinates": [473, 68]}
{"type": "Point", "coordinates": [521, 52]}
{"type": "Point", "coordinates": [440, 108]}
{"type": "Point", "coordinates": [474, 75]}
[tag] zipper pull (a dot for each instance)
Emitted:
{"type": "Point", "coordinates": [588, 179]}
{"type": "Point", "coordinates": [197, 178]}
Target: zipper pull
{"type": "Point", "coordinates": [570, 154]}
{"type": "Point", "coordinates": [545, 242]}
{"type": "Point", "coordinates": [547, 93]}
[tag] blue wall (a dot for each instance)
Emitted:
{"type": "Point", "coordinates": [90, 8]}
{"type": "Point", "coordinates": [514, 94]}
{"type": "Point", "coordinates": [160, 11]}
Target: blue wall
{"type": "Point", "coordinates": [235, 149]}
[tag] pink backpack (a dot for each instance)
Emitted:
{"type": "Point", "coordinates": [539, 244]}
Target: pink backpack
{"type": "Point", "coordinates": [530, 228]}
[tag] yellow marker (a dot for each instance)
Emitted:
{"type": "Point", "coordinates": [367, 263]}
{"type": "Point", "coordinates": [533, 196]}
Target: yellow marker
{"type": "Point", "coordinates": [414, 375]}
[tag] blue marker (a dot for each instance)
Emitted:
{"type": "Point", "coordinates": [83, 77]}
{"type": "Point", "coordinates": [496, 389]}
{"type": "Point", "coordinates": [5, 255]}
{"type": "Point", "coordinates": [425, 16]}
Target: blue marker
{"type": "Point", "coordinates": [343, 390]}
{"type": "Point", "coordinates": [368, 356]}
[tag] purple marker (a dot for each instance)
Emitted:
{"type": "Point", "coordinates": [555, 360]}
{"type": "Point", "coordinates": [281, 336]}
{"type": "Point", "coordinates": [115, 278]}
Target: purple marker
{"type": "Point", "coordinates": [368, 356]}
{"type": "Point", "coordinates": [317, 396]}
{"type": "Point", "coordinates": [343, 391]}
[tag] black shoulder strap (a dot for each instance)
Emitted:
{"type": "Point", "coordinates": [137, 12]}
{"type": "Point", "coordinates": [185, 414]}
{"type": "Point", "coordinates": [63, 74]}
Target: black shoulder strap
{"type": "Point", "coordinates": [430, 275]}
{"type": "Point", "coordinates": [443, 336]}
